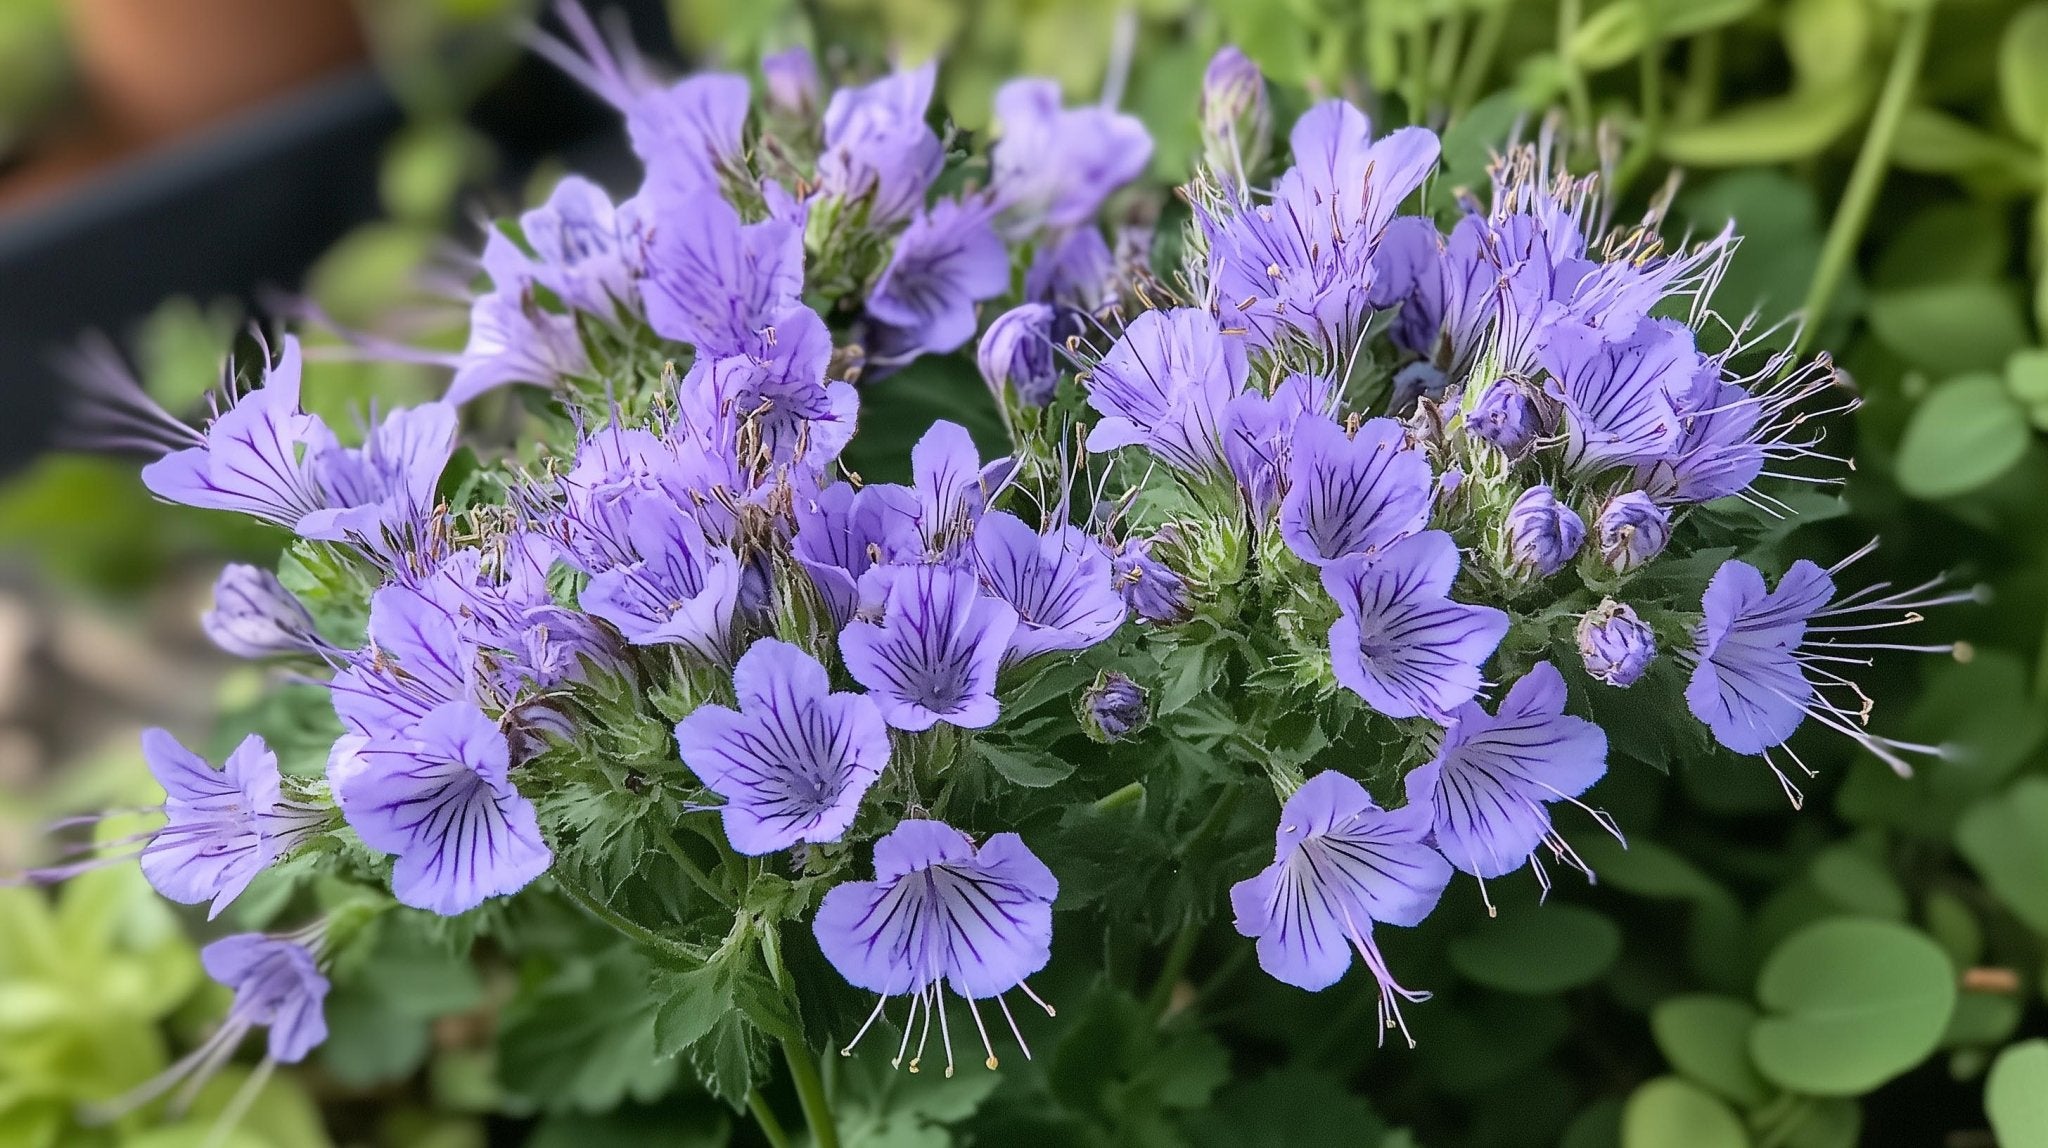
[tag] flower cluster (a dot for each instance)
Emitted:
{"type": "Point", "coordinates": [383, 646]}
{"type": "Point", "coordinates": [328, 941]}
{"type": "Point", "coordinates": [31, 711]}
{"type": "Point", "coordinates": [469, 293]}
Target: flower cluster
{"type": "Point", "coordinates": [1405, 477]}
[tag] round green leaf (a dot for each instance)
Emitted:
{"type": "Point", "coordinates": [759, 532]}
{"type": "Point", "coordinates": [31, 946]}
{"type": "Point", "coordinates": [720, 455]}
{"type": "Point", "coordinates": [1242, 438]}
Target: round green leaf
{"type": "Point", "coordinates": [1858, 883]}
{"type": "Point", "coordinates": [2023, 71]}
{"type": "Point", "coordinates": [1538, 951]}
{"type": "Point", "coordinates": [1850, 1004]}
{"type": "Point", "coordinates": [1669, 1113]}
{"type": "Point", "coordinates": [1950, 326]}
{"type": "Point", "coordinates": [1964, 434]}
{"type": "Point", "coordinates": [2016, 1094]}
{"type": "Point", "coordinates": [2006, 839]}
{"type": "Point", "coordinates": [1706, 1038]}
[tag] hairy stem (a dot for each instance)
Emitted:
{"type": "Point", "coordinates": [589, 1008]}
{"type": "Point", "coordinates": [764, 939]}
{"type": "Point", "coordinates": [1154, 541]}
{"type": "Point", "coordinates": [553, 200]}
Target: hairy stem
{"type": "Point", "coordinates": [1853, 213]}
{"type": "Point", "coordinates": [631, 930]}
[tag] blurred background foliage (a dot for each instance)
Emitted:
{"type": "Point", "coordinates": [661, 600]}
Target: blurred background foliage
{"type": "Point", "coordinates": [1869, 970]}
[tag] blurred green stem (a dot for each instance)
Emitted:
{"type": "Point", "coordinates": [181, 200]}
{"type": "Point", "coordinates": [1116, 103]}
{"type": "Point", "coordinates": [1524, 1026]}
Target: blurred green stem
{"type": "Point", "coordinates": [1853, 213]}
{"type": "Point", "coordinates": [1577, 95]}
{"type": "Point", "coordinates": [1478, 62]}
{"type": "Point", "coordinates": [1650, 83]}
{"type": "Point", "coordinates": [1161, 996]}
{"type": "Point", "coordinates": [631, 930]}
{"type": "Point", "coordinates": [810, 1092]}
{"type": "Point", "coordinates": [771, 1128]}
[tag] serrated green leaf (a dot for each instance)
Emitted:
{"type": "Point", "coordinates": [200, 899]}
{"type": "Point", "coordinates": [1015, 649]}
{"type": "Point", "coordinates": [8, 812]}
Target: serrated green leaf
{"type": "Point", "coordinates": [690, 1008]}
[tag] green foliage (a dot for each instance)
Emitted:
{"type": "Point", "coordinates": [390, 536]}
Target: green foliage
{"type": "Point", "coordinates": [1848, 1005]}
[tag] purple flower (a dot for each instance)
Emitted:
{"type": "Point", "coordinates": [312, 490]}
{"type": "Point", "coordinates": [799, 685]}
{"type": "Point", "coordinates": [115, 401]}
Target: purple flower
{"type": "Point", "coordinates": [774, 409]}
{"type": "Point", "coordinates": [586, 251]}
{"type": "Point", "coordinates": [1632, 530]}
{"type": "Point", "coordinates": [254, 616]}
{"type": "Point", "coordinates": [878, 148]}
{"type": "Point", "coordinates": [1506, 417]}
{"type": "Point", "coordinates": [257, 455]}
{"type": "Point", "coordinates": [1164, 385]}
{"type": "Point", "coordinates": [1617, 395]}
{"type": "Point", "coordinates": [791, 76]}
{"type": "Point", "coordinates": [1303, 262]}
{"type": "Point", "coordinates": [940, 914]}
{"type": "Point", "coordinates": [1061, 585]}
{"type": "Point", "coordinates": [1340, 865]}
{"type": "Point", "coordinates": [949, 489]}
{"type": "Point", "coordinates": [440, 796]}
{"type": "Point", "coordinates": [1114, 707]}
{"type": "Point", "coordinates": [1075, 270]}
{"type": "Point", "coordinates": [1542, 533]}
{"type": "Point", "coordinates": [716, 283]}
{"type": "Point", "coordinates": [1151, 589]}
{"type": "Point", "coordinates": [224, 825]}
{"type": "Point", "coordinates": [1615, 644]}
{"type": "Point", "coordinates": [1053, 167]}
{"type": "Point", "coordinates": [420, 657]}
{"type": "Point", "coordinates": [1407, 272]}
{"type": "Point", "coordinates": [1400, 642]}
{"type": "Point", "coordinates": [1487, 791]}
{"type": "Point", "coordinates": [1017, 352]}
{"type": "Point", "coordinates": [1236, 122]}
{"type": "Point", "coordinates": [1352, 494]}
{"type": "Point", "coordinates": [934, 654]}
{"type": "Point", "coordinates": [680, 588]}
{"type": "Point", "coordinates": [794, 760]}
{"type": "Point", "coordinates": [945, 262]}
{"type": "Point", "coordinates": [381, 495]}
{"type": "Point", "coordinates": [512, 339]}
{"type": "Point", "coordinates": [1259, 433]}
{"type": "Point", "coordinates": [842, 532]}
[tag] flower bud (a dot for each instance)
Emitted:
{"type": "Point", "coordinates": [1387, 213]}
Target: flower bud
{"type": "Point", "coordinates": [1150, 587]}
{"type": "Point", "coordinates": [1543, 533]}
{"type": "Point", "coordinates": [254, 616]}
{"type": "Point", "coordinates": [1017, 352]}
{"type": "Point", "coordinates": [1506, 417]}
{"type": "Point", "coordinates": [1114, 707]}
{"type": "Point", "coordinates": [791, 76]}
{"type": "Point", "coordinates": [1632, 530]}
{"type": "Point", "coordinates": [1616, 645]}
{"type": "Point", "coordinates": [1236, 123]}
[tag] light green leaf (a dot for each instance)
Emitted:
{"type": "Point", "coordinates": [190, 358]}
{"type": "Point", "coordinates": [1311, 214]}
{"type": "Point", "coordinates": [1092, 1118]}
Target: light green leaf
{"type": "Point", "coordinates": [2023, 72]}
{"type": "Point", "coordinates": [1963, 435]}
{"type": "Point", "coordinates": [1033, 769]}
{"type": "Point", "coordinates": [2026, 375]}
{"type": "Point", "coordinates": [1706, 1038]}
{"type": "Point", "coordinates": [2006, 839]}
{"type": "Point", "coordinates": [1539, 950]}
{"type": "Point", "coordinates": [2016, 1094]}
{"type": "Point", "coordinates": [1669, 1113]}
{"type": "Point", "coordinates": [1771, 130]}
{"type": "Point", "coordinates": [1850, 1004]}
{"type": "Point", "coordinates": [1826, 40]}
{"type": "Point", "coordinates": [1933, 141]}
{"type": "Point", "coordinates": [1858, 883]}
{"type": "Point", "coordinates": [1949, 327]}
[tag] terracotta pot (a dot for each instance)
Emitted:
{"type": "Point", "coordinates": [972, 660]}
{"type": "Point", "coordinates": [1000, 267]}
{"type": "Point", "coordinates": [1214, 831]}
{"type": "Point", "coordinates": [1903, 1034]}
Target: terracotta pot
{"type": "Point", "coordinates": [157, 68]}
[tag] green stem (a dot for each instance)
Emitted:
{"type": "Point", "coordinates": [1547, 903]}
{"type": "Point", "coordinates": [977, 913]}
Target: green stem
{"type": "Point", "coordinates": [1867, 176]}
{"type": "Point", "coordinates": [1478, 62]}
{"type": "Point", "coordinates": [1578, 96]}
{"type": "Point", "coordinates": [1650, 84]}
{"type": "Point", "coordinates": [771, 1128]}
{"type": "Point", "coordinates": [1161, 996]}
{"type": "Point", "coordinates": [633, 931]}
{"type": "Point", "coordinates": [2041, 671]}
{"type": "Point", "coordinates": [1117, 799]}
{"type": "Point", "coordinates": [810, 1092]}
{"type": "Point", "coordinates": [693, 871]}
{"type": "Point", "coordinates": [1443, 58]}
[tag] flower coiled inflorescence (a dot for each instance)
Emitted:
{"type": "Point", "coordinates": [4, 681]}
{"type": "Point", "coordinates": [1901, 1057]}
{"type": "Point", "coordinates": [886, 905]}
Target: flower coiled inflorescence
{"type": "Point", "coordinates": [1406, 472]}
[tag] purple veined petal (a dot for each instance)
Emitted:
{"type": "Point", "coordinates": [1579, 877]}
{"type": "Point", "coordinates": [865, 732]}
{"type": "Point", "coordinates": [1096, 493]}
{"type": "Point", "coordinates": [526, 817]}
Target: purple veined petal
{"type": "Point", "coordinates": [1748, 686]}
{"type": "Point", "coordinates": [950, 484]}
{"type": "Point", "coordinates": [257, 455]}
{"type": "Point", "coordinates": [681, 588]}
{"type": "Point", "coordinates": [878, 148]}
{"type": "Point", "coordinates": [1352, 494]}
{"type": "Point", "coordinates": [794, 760]}
{"type": "Point", "coordinates": [1399, 641]}
{"type": "Point", "coordinates": [794, 87]}
{"type": "Point", "coordinates": [1489, 787]}
{"type": "Point", "coordinates": [941, 914]}
{"type": "Point", "coordinates": [419, 658]}
{"type": "Point", "coordinates": [1258, 435]}
{"type": "Point", "coordinates": [841, 531]}
{"type": "Point", "coordinates": [689, 133]}
{"type": "Point", "coordinates": [1053, 166]}
{"type": "Point", "coordinates": [587, 251]}
{"type": "Point", "coordinates": [1337, 859]}
{"type": "Point", "coordinates": [254, 616]}
{"type": "Point", "coordinates": [1062, 585]}
{"type": "Point", "coordinates": [714, 282]}
{"type": "Point", "coordinates": [384, 492]}
{"type": "Point", "coordinates": [1718, 452]}
{"type": "Point", "coordinates": [212, 845]}
{"type": "Point", "coordinates": [1164, 386]}
{"type": "Point", "coordinates": [774, 403]}
{"type": "Point", "coordinates": [1408, 272]}
{"type": "Point", "coordinates": [1617, 395]}
{"type": "Point", "coordinates": [1076, 269]}
{"type": "Point", "coordinates": [1151, 589]}
{"type": "Point", "coordinates": [442, 800]}
{"type": "Point", "coordinates": [945, 262]}
{"type": "Point", "coordinates": [512, 339]}
{"type": "Point", "coordinates": [934, 655]}
{"type": "Point", "coordinates": [277, 984]}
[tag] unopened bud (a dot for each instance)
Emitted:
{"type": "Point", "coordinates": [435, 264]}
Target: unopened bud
{"type": "Point", "coordinates": [1616, 645]}
{"type": "Point", "coordinates": [1632, 530]}
{"type": "Point", "coordinates": [1543, 534]}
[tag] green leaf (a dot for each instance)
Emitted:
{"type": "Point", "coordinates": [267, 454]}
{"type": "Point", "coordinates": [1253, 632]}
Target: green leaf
{"type": "Point", "coordinates": [1950, 327]}
{"type": "Point", "coordinates": [1706, 1038]}
{"type": "Point", "coordinates": [2006, 840]}
{"type": "Point", "coordinates": [1669, 1113]}
{"type": "Point", "coordinates": [1827, 40]}
{"type": "Point", "coordinates": [1964, 434]}
{"type": "Point", "coordinates": [731, 1059]}
{"type": "Point", "coordinates": [1287, 1106]}
{"type": "Point", "coordinates": [2026, 376]}
{"type": "Point", "coordinates": [1932, 141]}
{"type": "Point", "coordinates": [584, 1039]}
{"type": "Point", "coordinates": [1033, 769]}
{"type": "Point", "coordinates": [1771, 130]}
{"type": "Point", "coordinates": [2023, 72]}
{"type": "Point", "coordinates": [1850, 1004]}
{"type": "Point", "coordinates": [695, 1001]}
{"type": "Point", "coordinates": [1858, 882]}
{"type": "Point", "coordinates": [2016, 1094]}
{"type": "Point", "coordinates": [1539, 950]}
